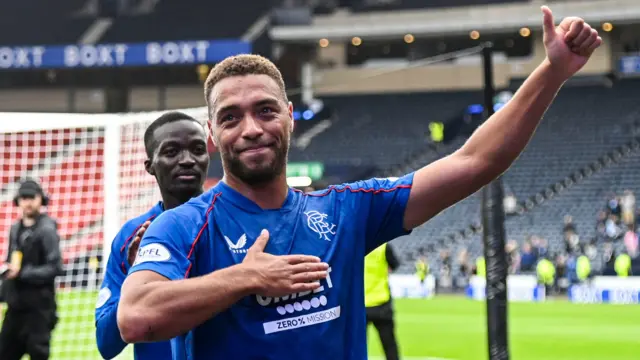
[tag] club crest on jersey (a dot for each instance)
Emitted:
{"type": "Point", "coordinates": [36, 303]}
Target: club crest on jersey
{"type": "Point", "coordinates": [318, 224]}
{"type": "Point", "coordinates": [238, 246]}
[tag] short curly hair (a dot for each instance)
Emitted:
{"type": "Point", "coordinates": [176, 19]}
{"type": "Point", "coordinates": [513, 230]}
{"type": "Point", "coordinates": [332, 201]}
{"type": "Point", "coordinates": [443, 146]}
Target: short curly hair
{"type": "Point", "coordinates": [241, 65]}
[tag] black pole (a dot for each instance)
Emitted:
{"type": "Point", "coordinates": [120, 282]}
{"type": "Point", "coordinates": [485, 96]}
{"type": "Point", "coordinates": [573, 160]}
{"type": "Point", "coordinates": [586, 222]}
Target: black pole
{"type": "Point", "coordinates": [494, 239]}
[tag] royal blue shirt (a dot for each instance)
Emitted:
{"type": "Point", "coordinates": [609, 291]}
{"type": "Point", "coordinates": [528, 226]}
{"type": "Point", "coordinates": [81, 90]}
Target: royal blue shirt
{"type": "Point", "coordinates": [110, 343]}
{"type": "Point", "coordinates": [340, 225]}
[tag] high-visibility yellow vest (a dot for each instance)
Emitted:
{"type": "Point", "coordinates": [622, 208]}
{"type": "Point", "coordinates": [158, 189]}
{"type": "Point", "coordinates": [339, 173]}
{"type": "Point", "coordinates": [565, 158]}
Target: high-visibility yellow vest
{"type": "Point", "coordinates": [583, 267]}
{"type": "Point", "coordinates": [481, 267]}
{"type": "Point", "coordinates": [546, 271]}
{"type": "Point", "coordinates": [422, 269]}
{"type": "Point", "coordinates": [376, 277]}
{"type": "Point", "coordinates": [622, 265]}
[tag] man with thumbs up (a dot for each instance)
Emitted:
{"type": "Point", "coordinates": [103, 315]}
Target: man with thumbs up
{"type": "Point", "coordinates": [208, 273]}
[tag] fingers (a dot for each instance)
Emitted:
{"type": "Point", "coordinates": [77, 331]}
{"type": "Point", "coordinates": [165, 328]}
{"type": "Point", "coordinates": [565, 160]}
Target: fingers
{"type": "Point", "coordinates": [548, 24]}
{"type": "Point", "coordinates": [300, 259]}
{"type": "Point", "coordinates": [594, 46]}
{"type": "Point", "coordinates": [304, 286]}
{"type": "Point", "coordinates": [574, 31]}
{"type": "Point", "coordinates": [309, 267]}
{"type": "Point", "coordinates": [591, 38]}
{"type": "Point", "coordinates": [584, 35]}
{"type": "Point", "coordinates": [261, 242]}
{"type": "Point", "coordinates": [306, 277]}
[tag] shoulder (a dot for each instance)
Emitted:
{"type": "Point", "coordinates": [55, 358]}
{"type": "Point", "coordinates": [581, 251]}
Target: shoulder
{"type": "Point", "coordinates": [188, 217]}
{"type": "Point", "coordinates": [47, 223]}
{"type": "Point", "coordinates": [130, 228]}
{"type": "Point", "coordinates": [369, 186]}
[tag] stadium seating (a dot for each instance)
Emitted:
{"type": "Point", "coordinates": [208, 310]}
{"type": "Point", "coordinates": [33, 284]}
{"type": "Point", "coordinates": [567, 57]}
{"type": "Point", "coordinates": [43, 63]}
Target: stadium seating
{"type": "Point", "coordinates": [41, 22]}
{"type": "Point", "coordinates": [171, 21]}
{"type": "Point", "coordinates": [576, 132]}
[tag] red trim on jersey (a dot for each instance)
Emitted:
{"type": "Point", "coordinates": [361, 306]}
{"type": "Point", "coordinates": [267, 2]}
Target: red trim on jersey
{"type": "Point", "coordinates": [204, 226]}
{"type": "Point", "coordinates": [374, 191]}
{"type": "Point", "coordinates": [124, 246]}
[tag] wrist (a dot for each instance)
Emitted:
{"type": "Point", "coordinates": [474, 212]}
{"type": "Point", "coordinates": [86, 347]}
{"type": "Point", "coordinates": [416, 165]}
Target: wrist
{"type": "Point", "coordinates": [552, 74]}
{"type": "Point", "coordinates": [248, 279]}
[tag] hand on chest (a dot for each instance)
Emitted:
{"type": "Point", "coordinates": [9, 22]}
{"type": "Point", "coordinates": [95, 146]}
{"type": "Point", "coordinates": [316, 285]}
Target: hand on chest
{"type": "Point", "coordinates": [310, 233]}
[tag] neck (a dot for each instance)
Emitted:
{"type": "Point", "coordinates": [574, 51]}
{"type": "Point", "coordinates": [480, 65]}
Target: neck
{"type": "Point", "coordinates": [170, 201]}
{"type": "Point", "coordinates": [271, 195]}
{"type": "Point", "coordinates": [28, 221]}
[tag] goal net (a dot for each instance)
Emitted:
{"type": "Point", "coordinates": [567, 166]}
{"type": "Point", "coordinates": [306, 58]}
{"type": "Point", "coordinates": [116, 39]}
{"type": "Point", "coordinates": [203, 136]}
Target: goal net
{"type": "Point", "coordinates": [91, 166]}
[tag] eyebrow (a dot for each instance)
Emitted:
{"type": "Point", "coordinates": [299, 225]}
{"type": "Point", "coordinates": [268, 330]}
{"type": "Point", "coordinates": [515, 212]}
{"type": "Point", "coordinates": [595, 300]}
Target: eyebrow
{"type": "Point", "coordinates": [265, 101]}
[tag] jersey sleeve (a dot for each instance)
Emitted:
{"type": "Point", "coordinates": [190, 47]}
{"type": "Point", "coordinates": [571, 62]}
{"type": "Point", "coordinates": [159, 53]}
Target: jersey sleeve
{"type": "Point", "coordinates": [110, 343]}
{"type": "Point", "coordinates": [382, 203]}
{"type": "Point", "coordinates": [165, 247]}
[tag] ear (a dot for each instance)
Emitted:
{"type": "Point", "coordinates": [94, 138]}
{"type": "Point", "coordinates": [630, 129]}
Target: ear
{"type": "Point", "coordinates": [149, 168]}
{"type": "Point", "coordinates": [292, 122]}
{"type": "Point", "coordinates": [212, 132]}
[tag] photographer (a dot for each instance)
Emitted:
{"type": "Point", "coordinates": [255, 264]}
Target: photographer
{"type": "Point", "coordinates": [28, 285]}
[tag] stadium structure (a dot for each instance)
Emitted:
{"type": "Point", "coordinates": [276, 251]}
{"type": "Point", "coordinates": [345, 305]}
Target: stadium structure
{"type": "Point", "coordinates": [380, 88]}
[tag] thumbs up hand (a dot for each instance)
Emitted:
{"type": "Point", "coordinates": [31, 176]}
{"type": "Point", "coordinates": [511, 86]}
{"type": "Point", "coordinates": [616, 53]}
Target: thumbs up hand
{"type": "Point", "coordinates": [570, 44]}
{"type": "Point", "coordinates": [282, 275]}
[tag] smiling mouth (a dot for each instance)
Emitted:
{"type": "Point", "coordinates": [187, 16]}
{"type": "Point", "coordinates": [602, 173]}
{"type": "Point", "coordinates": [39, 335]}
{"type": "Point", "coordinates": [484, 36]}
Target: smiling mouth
{"type": "Point", "coordinates": [256, 149]}
{"type": "Point", "coordinates": [187, 177]}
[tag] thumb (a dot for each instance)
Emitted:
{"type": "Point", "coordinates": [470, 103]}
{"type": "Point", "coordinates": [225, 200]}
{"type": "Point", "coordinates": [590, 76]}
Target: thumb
{"type": "Point", "coordinates": [548, 23]}
{"type": "Point", "coordinates": [261, 241]}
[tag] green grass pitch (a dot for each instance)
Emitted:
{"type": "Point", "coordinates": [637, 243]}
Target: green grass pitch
{"type": "Point", "coordinates": [446, 327]}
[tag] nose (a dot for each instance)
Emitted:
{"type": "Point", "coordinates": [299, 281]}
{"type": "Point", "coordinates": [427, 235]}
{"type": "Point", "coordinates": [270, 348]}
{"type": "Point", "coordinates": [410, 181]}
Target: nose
{"type": "Point", "coordinates": [186, 159]}
{"type": "Point", "coordinates": [251, 128]}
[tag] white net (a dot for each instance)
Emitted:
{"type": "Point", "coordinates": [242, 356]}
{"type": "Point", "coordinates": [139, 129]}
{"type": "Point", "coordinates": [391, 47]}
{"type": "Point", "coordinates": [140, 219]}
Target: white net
{"type": "Point", "coordinates": [92, 168]}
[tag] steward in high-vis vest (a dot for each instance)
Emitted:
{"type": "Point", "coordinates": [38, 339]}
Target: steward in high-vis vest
{"type": "Point", "coordinates": [377, 296]}
{"type": "Point", "coordinates": [422, 268]}
{"type": "Point", "coordinates": [622, 265]}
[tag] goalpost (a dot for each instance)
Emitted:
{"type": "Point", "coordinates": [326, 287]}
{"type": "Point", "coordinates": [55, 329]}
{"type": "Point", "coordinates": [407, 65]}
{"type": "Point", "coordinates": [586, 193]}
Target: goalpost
{"type": "Point", "coordinates": [91, 166]}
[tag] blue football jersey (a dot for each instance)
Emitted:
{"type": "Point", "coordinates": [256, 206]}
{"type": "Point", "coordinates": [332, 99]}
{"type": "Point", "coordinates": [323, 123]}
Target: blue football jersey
{"type": "Point", "coordinates": [110, 344]}
{"type": "Point", "coordinates": [340, 225]}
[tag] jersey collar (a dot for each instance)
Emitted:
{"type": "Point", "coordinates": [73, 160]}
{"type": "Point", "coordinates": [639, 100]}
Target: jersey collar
{"type": "Point", "coordinates": [244, 203]}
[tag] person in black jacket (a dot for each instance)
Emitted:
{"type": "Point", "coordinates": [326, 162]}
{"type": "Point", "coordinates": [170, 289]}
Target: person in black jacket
{"type": "Point", "coordinates": [28, 285]}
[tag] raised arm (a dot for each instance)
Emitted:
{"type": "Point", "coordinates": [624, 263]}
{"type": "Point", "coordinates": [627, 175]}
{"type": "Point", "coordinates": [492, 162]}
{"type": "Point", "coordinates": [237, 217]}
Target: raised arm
{"type": "Point", "coordinates": [147, 296]}
{"type": "Point", "coordinates": [496, 144]}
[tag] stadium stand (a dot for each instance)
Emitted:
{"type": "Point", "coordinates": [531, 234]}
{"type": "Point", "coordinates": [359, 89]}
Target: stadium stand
{"type": "Point", "coordinates": [579, 131]}
{"type": "Point", "coordinates": [38, 22]}
{"type": "Point", "coordinates": [171, 21]}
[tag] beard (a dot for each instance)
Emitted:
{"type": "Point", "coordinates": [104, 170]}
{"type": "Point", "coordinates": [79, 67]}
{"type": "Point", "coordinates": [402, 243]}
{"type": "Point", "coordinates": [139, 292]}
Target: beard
{"type": "Point", "coordinates": [259, 174]}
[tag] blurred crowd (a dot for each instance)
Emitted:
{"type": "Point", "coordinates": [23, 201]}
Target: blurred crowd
{"type": "Point", "coordinates": [613, 251]}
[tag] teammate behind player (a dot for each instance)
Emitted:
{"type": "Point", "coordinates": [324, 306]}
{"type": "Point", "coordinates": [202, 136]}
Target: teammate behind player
{"type": "Point", "coordinates": [177, 157]}
{"type": "Point", "coordinates": [213, 270]}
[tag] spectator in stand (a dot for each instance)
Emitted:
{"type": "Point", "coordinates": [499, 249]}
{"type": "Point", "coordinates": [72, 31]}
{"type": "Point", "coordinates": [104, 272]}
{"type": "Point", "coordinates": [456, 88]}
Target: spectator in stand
{"type": "Point", "coordinates": [569, 225]}
{"type": "Point", "coordinates": [539, 246]}
{"type": "Point", "coordinates": [601, 227]}
{"type": "Point", "coordinates": [612, 229]}
{"type": "Point", "coordinates": [528, 258]}
{"type": "Point", "coordinates": [628, 205]}
{"type": "Point", "coordinates": [570, 235]}
{"type": "Point", "coordinates": [513, 257]}
{"type": "Point", "coordinates": [613, 205]}
{"type": "Point", "coordinates": [631, 240]}
{"type": "Point", "coordinates": [560, 262]}
{"type": "Point", "coordinates": [608, 259]}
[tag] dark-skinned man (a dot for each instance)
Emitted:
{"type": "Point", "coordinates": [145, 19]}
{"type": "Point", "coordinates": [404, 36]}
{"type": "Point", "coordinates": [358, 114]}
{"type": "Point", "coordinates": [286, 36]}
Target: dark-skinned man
{"type": "Point", "coordinates": [176, 147]}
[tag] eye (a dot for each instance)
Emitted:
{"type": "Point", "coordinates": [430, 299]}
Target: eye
{"type": "Point", "coordinates": [170, 152]}
{"type": "Point", "coordinates": [200, 149]}
{"type": "Point", "coordinates": [228, 117]}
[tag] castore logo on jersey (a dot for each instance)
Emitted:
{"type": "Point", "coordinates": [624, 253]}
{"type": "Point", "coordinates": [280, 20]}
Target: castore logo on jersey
{"type": "Point", "coordinates": [238, 246]}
